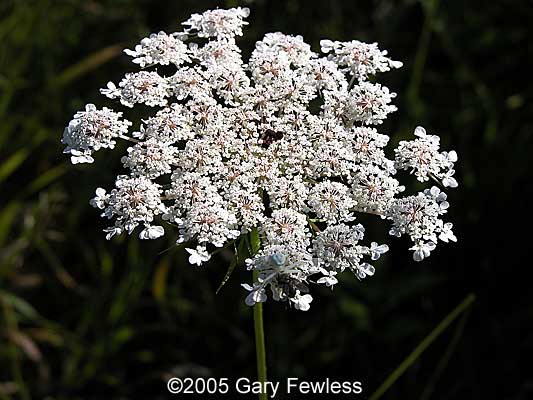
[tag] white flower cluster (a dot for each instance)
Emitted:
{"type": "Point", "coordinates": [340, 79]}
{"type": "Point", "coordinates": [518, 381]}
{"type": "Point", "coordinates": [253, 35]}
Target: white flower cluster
{"type": "Point", "coordinates": [423, 158]}
{"type": "Point", "coordinates": [418, 217]}
{"type": "Point", "coordinates": [218, 23]}
{"type": "Point", "coordinates": [134, 201]}
{"type": "Point", "coordinates": [159, 49]}
{"type": "Point", "coordinates": [281, 146]}
{"type": "Point", "coordinates": [91, 130]}
{"type": "Point", "coordinates": [359, 59]}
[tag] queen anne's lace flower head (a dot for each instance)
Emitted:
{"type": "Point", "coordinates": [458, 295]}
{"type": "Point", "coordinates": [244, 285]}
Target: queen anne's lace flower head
{"type": "Point", "coordinates": [280, 146]}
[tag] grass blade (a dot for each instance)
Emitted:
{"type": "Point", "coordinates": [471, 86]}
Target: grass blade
{"type": "Point", "coordinates": [12, 163]}
{"type": "Point", "coordinates": [89, 63]}
{"type": "Point", "coordinates": [422, 346]}
{"type": "Point", "coordinates": [159, 284]}
{"type": "Point", "coordinates": [46, 178]}
{"type": "Point", "coordinates": [443, 363]}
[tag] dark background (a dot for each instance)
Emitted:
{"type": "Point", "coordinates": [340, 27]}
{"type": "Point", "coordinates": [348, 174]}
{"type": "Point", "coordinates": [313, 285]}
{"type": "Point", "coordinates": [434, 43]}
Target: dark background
{"type": "Point", "coordinates": [83, 318]}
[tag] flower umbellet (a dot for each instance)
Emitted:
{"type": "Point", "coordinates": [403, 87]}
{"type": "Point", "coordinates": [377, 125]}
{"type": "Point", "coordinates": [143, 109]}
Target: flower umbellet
{"type": "Point", "coordinates": [286, 145]}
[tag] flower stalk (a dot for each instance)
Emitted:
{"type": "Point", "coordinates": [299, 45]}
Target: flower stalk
{"type": "Point", "coordinates": [260, 353]}
{"type": "Point", "coordinates": [260, 344]}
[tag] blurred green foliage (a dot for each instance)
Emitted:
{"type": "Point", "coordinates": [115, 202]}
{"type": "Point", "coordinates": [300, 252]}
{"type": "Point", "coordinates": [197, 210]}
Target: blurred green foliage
{"type": "Point", "coordinates": [82, 318]}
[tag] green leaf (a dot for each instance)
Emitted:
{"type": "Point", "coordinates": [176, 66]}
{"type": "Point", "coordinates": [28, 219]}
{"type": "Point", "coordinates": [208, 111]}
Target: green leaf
{"type": "Point", "coordinates": [240, 253]}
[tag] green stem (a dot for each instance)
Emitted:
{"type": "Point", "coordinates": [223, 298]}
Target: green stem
{"type": "Point", "coordinates": [255, 244]}
{"type": "Point", "coordinates": [260, 345]}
